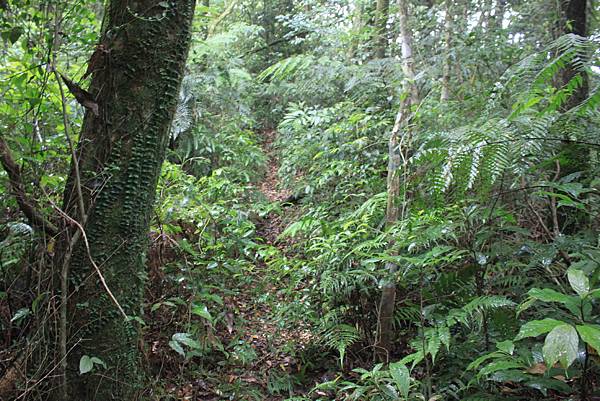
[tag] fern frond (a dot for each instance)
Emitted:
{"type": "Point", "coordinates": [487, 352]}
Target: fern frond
{"type": "Point", "coordinates": [286, 68]}
{"type": "Point", "coordinates": [340, 337]}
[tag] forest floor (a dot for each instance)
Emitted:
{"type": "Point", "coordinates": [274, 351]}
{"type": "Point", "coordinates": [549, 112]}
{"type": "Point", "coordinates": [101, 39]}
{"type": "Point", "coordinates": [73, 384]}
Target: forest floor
{"type": "Point", "coordinates": [274, 344]}
{"type": "Point", "coordinates": [264, 356]}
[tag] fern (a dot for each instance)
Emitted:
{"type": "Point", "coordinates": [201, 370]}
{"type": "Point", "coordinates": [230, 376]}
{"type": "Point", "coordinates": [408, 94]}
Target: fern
{"type": "Point", "coordinates": [339, 337]}
{"type": "Point", "coordinates": [286, 68]}
{"type": "Point", "coordinates": [478, 154]}
{"type": "Point", "coordinates": [475, 308]}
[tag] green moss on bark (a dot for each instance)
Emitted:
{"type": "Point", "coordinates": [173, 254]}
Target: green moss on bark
{"type": "Point", "coordinates": [121, 152]}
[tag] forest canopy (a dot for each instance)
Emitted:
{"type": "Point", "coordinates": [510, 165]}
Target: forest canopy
{"type": "Point", "coordinates": [299, 200]}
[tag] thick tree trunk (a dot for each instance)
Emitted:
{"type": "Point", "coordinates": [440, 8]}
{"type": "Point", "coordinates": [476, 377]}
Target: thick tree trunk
{"type": "Point", "coordinates": [398, 147]}
{"type": "Point", "coordinates": [121, 150]}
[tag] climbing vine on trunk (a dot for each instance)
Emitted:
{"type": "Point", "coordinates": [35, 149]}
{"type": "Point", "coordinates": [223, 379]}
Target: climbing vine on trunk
{"type": "Point", "coordinates": [121, 148]}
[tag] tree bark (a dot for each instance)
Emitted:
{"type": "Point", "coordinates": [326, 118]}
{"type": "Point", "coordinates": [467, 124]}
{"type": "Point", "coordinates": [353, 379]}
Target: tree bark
{"type": "Point", "coordinates": [357, 27]}
{"type": "Point", "coordinates": [574, 20]}
{"type": "Point", "coordinates": [120, 153]}
{"type": "Point", "coordinates": [381, 18]}
{"type": "Point", "coordinates": [446, 68]}
{"type": "Point", "coordinates": [398, 147]}
{"type": "Point", "coordinates": [408, 62]}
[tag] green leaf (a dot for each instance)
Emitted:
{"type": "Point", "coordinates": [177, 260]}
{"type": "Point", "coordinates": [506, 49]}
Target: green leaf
{"type": "Point", "coordinates": [98, 361]}
{"type": "Point", "coordinates": [477, 362]}
{"type": "Point", "coordinates": [571, 302]}
{"type": "Point", "coordinates": [20, 314]}
{"type": "Point", "coordinates": [542, 384]}
{"type": "Point", "coordinates": [136, 319]}
{"type": "Point", "coordinates": [15, 34]}
{"type": "Point", "coordinates": [537, 328]}
{"type": "Point", "coordinates": [433, 345]}
{"type": "Point", "coordinates": [184, 338]}
{"type": "Point", "coordinates": [388, 390]}
{"type": "Point", "coordinates": [177, 347]}
{"type": "Point", "coordinates": [548, 295]}
{"type": "Point", "coordinates": [444, 334]}
{"type": "Point", "coordinates": [85, 365]}
{"type": "Point", "coordinates": [590, 334]}
{"type": "Point", "coordinates": [561, 346]}
{"type": "Point", "coordinates": [579, 282]}
{"type": "Point", "coordinates": [401, 377]}
{"type": "Point", "coordinates": [498, 366]}
{"type": "Point", "coordinates": [202, 311]}
{"type": "Point", "coordinates": [506, 346]}
{"type": "Point", "coordinates": [595, 293]}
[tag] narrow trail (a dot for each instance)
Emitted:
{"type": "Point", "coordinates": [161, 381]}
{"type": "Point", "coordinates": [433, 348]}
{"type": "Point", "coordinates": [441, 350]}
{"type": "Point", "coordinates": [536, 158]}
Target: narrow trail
{"type": "Point", "coordinates": [261, 333]}
{"type": "Point", "coordinates": [270, 188]}
{"type": "Point", "coordinates": [260, 356]}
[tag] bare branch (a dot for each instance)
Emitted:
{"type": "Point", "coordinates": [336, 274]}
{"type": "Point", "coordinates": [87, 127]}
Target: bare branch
{"type": "Point", "coordinates": [27, 205]}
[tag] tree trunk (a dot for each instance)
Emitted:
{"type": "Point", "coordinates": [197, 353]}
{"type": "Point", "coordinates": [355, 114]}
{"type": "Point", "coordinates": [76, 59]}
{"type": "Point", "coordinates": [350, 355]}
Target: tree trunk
{"type": "Point", "coordinates": [120, 151]}
{"type": "Point", "coordinates": [446, 68]}
{"type": "Point", "coordinates": [356, 30]}
{"type": "Point", "coordinates": [381, 18]}
{"type": "Point", "coordinates": [574, 20]}
{"type": "Point", "coordinates": [398, 147]}
{"type": "Point", "coordinates": [214, 25]}
{"type": "Point", "coordinates": [495, 21]}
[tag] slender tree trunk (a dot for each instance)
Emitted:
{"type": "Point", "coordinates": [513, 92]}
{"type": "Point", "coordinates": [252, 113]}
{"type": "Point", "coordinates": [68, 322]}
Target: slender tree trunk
{"type": "Point", "coordinates": [381, 18]}
{"type": "Point", "coordinates": [446, 68]}
{"type": "Point", "coordinates": [357, 27]}
{"type": "Point", "coordinates": [120, 153]}
{"type": "Point", "coordinates": [398, 147]}
{"type": "Point", "coordinates": [214, 25]}
{"type": "Point", "coordinates": [495, 20]}
{"type": "Point", "coordinates": [574, 20]}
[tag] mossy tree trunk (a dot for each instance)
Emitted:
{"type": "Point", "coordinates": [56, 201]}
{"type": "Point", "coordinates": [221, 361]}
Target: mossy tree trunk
{"type": "Point", "coordinates": [135, 82]}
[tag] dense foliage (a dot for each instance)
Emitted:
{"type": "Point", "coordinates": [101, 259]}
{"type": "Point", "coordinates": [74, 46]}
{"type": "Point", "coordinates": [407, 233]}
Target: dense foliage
{"type": "Point", "coordinates": [269, 235]}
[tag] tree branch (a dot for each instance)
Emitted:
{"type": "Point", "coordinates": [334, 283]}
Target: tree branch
{"type": "Point", "coordinates": [27, 205]}
{"type": "Point", "coordinates": [221, 18]}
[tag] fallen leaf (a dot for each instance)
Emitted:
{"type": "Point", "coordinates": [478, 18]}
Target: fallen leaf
{"type": "Point", "coordinates": [537, 369]}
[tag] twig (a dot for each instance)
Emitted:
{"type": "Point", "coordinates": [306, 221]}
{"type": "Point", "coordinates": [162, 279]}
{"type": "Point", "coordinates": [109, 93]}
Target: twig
{"type": "Point", "coordinates": [24, 394]}
{"type": "Point", "coordinates": [562, 253]}
{"type": "Point", "coordinates": [553, 207]}
{"type": "Point", "coordinates": [277, 41]}
{"type": "Point", "coordinates": [71, 147]}
{"type": "Point", "coordinates": [228, 10]}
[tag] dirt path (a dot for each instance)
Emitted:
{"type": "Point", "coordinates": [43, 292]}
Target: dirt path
{"type": "Point", "coordinates": [259, 352]}
{"type": "Point", "coordinates": [273, 364]}
{"type": "Point", "coordinates": [270, 184]}
{"type": "Point", "coordinates": [270, 187]}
